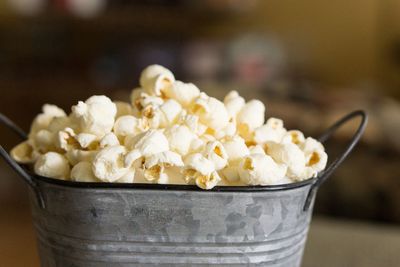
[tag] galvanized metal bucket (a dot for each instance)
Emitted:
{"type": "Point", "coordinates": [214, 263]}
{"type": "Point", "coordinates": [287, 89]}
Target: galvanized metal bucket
{"type": "Point", "coordinates": [102, 224]}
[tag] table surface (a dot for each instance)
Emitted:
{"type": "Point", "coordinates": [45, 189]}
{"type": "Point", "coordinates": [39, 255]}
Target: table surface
{"type": "Point", "coordinates": [331, 243]}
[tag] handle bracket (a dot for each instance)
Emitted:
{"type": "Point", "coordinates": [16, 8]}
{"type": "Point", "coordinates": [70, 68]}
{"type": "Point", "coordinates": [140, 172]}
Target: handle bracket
{"type": "Point", "coordinates": [14, 165]}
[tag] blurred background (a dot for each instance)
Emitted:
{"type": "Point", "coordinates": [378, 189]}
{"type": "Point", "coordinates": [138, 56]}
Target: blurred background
{"type": "Point", "coordinates": [310, 61]}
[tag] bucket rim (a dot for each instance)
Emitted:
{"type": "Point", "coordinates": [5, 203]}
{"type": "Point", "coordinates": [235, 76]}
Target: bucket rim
{"type": "Point", "coordinates": [173, 187]}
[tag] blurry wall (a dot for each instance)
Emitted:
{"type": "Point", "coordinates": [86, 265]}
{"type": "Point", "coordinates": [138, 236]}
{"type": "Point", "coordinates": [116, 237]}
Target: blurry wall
{"type": "Point", "coordinates": [309, 61]}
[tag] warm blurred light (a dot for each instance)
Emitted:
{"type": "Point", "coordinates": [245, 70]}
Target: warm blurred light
{"type": "Point", "coordinates": [86, 8]}
{"type": "Point", "coordinates": [27, 7]}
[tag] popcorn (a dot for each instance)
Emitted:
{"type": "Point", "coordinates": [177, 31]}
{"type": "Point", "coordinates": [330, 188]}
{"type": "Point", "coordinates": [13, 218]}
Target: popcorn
{"type": "Point", "coordinates": [169, 133]}
{"type": "Point", "coordinates": [260, 169]}
{"type": "Point", "coordinates": [75, 156]}
{"type": "Point", "coordinates": [315, 156]}
{"type": "Point", "coordinates": [294, 136]}
{"type": "Point", "coordinates": [136, 97]}
{"type": "Point", "coordinates": [86, 140]}
{"type": "Point", "coordinates": [24, 153]}
{"type": "Point", "coordinates": [108, 165]}
{"type": "Point", "coordinates": [200, 170]}
{"type": "Point", "coordinates": [43, 141]}
{"type": "Point", "coordinates": [231, 173]}
{"type": "Point", "coordinates": [126, 125]}
{"type": "Point", "coordinates": [288, 154]}
{"type": "Point", "coordinates": [179, 138]}
{"type": "Point", "coordinates": [155, 79]}
{"type": "Point", "coordinates": [155, 165]}
{"type": "Point", "coordinates": [152, 142]}
{"type": "Point", "coordinates": [250, 117]}
{"type": "Point", "coordinates": [211, 112]}
{"type": "Point", "coordinates": [53, 165]}
{"type": "Point", "coordinates": [235, 148]}
{"type": "Point", "coordinates": [65, 139]}
{"type": "Point", "coordinates": [170, 110]}
{"type": "Point", "coordinates": [123, 109]}
{"type": "Point", "coordinates": [109, 139]}
{"type": "Point", "coordinates": [215, 152]}
{"type": "Point", "coordinates": [95, 116]}
{"type": "Point", "coordinates": [60, 123]}
{"type": "Point", "coordinates": [184, 93]}
{"type": "Point", "coordinates": [82, 172]}
{"type": "Point", "coordinates": [257, 149]}
{"type": "Point", "coordinates": [43, 120]}
{"type": "Point", "coordinates": [272, 131]}
{"type": "Point", "coordinates": [234, 103]}
{"type": "Point", "coordinates": [128, 178]}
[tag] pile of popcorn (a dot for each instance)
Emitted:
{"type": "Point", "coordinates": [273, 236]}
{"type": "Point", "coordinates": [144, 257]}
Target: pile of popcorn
{"type": "Point", "coordinates": [170, 133]}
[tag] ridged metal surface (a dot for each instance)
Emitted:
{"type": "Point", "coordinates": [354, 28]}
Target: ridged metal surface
{"type": "Point", "coordinates": [87, 227]}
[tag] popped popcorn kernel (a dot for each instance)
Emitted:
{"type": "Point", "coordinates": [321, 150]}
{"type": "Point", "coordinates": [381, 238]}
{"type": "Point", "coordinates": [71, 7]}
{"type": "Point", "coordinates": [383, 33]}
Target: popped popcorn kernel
{"type": "Point", "coordinates": [170, 132]}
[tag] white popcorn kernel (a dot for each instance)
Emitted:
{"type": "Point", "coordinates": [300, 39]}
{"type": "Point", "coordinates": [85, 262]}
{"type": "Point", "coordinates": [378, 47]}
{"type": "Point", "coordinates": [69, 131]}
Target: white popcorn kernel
{"type": "Point", "coordinates": [155, 78]}
{"type": "Point", "coordinates": [272, 131]}
{"type": "Point", "coordinates": [201, 171]}
{"type": "Point", "coordinates": [167, 158]}
{"type": "Point", "coordinates": [53, 165]}
{"type": "Point", "coordinates": [230, 130]}
{"type": "Point", "coordinates": [95, 116]}
{"type": "Point", "coordinates": [24, 153]}
{"type": "Point", "coordinates": [192, 122]}
{"type": "Point", "coordinates": [150, 101]}
{"type": "Point", "coordinates": [184, 93]}
{"type": "Point", "coordinates": [108, 165]}
{"type": "Point", "coordinates": [234, 103]}
{"type": "Point", "coordinates": [155, 165]}
{"type": "Point", "coordinates": [123, 109]}
{"type": "Point", "coordinates": [231, 173]}
{"type": "Point", "coordinates": [250, 117]}
{"type": "Point", "coordinates": [170, 111]}
{"type": "Point", "coordinates": [82, 172]}
{"type": "Point", "coordinates": [208, 181]}
{"type": "Point", "coordinates": [180, 138]}
{"type": "Point", "coordinates": [131, 157]}
{"type": "Point", "coordinates": [288, 154]}
{"type": "Point", "coordinates": [109, 139]}
{"type": "Point", "coordinates": [128, 178]}
{"type": "Point", "coordinates": [75, 156]}
{"type": "Point", "coordinates": [43, 141]}
{"type": "Point", "coordinates": [257, 149]}
{"type": "Point", "coordinates": [43, 120]}
{"type": "Point", "coordinates": [66, 139]}
{"type": "Point", "coordinates": [215, 152]}
{"type": "Point", "coordinates": [310, 145]}
{"type": "Point", "coordinates": [198, 163]}
{"type": "Point", "coordinates": [260, 169]}
{"type": "Point", "coordinates": [136, 95]}
{"type": "Point", "coordinates": [60, 123]}
{"type": "Point", "coordinates": [151, 142]}
{"type": "Point", "coordinates": [235, 148]}
{"type": "Point", "coordinates": [211, 112]}
{"type": "Point", "coordinates": [293, 136]}
{"type": "Point", "coordinates": [315, 162]}
{"type": "Point", "coordinates": [127, 125]}
{"type": "Point", "coordinates": [315, 156]}
{"type": "Point", "coordinates": [197, 145]}
{"type": "Point", "coordinates": [86, 140]}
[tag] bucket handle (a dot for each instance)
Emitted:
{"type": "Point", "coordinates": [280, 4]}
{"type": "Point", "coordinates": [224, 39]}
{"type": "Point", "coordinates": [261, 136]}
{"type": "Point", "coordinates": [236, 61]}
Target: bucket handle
{"type": "Point", "coordinates": [14, 165]}
{"type": "Point", "coordinates": [324, 175]}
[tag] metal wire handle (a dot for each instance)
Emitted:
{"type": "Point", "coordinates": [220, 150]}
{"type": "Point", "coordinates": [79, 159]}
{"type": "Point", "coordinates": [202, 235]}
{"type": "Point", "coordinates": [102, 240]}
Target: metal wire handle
{"type": "Point", "coordinates": [13, 164]}
{"type": "Point", "coordinates": [324, 175]}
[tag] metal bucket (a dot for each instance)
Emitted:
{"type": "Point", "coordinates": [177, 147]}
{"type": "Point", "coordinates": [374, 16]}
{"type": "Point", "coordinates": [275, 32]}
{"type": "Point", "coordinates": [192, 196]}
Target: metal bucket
{"type": "Point", "coordinates": [102, 224]}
